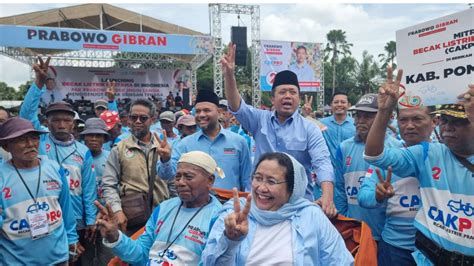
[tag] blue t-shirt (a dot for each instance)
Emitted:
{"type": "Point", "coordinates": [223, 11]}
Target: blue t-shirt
{"type": "Point", "coordinates": [351, 169]}
{"type": "Point", "coordinates": [336, 133]}
{"type": "Point", "coordinates": [401, 208]}
{"type": "Point", "coordinates": [16, 245]}
{"type": "Point", "coordinates": [229, 150]}
{"type": "Point", "coordinates": [98, 163]}
{"type": "Point", "coordinates": [165, 226]}
{"type": "Point", "coordinates": [73, 156]}
{"type": "Point", "coordinates": [446, 188]}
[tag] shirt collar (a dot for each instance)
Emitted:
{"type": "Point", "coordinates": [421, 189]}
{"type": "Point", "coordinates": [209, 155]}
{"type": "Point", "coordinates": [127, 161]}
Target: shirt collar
{"type": "Point", "coordinates": [201, 133]}
{"type": "Point", "coordinates": [289, 119]}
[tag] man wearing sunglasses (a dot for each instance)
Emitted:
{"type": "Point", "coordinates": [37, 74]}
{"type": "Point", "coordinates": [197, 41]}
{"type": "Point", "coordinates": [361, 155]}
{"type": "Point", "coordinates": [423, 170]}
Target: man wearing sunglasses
{"type": "Point", "coordinates": [446, 174]}
{"type": "Point", "coordinates": [229, 149]}
{"type": "Point", "coordinates": [131, 168]}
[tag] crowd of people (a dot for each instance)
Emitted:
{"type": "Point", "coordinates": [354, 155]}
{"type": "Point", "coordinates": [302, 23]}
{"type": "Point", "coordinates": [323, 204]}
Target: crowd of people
{"type": "Point", "coordinates": [75, 192]}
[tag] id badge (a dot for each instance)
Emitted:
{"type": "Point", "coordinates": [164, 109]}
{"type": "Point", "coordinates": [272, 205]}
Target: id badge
{"type": "Point", "coordinates": [39, 225]}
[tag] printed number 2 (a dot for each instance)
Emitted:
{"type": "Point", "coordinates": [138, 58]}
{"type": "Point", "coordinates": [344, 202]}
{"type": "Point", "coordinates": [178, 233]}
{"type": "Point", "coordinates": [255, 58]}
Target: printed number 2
{"type": "Point", "coordinates": [436, 171]}
{"type": "Point", "coordinates": [7, 192]}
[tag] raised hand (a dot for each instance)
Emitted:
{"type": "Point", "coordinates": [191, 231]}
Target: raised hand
{"type": "Point", "coordinates": [108, 226]}
{"type": "Point", "coordinates": [467, 99]}
{"type": "Point", "coordinates": [228, 60]}
{"type": "Point", "coordinates": [388, 92]}
{"type": "Point", "coordinates": [384, 189]}
{"type": "Point", "coordinates": [164, 148]}
{"type": "Point", "coordinates": [110, 91]}
{"type": "Point", "coordinates": [236, 223]}
{"type": "Point", "coordinates": [41, 71]}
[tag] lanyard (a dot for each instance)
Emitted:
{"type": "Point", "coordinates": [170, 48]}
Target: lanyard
{"type": "Point", "coordinates": [24, 183]}
{"type": "Point", "coordinates": [57, 155]}
{"type": "Point", "coordinates": [184, 227]}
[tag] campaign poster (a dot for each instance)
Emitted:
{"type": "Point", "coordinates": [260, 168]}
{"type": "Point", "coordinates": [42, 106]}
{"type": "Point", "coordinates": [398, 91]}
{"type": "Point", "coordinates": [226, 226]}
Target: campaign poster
{"type": "Point", "coordinates": [304, 59]}
{"type": "Point", "coordinates": [90, 83]}
{"type": "Point", "coordinates": [436, 58]}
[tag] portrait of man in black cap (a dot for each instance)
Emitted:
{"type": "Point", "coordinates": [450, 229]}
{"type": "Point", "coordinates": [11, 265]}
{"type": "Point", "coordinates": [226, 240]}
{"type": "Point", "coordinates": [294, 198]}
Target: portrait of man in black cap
{"type": "Point", "coordinates": [284, 129]}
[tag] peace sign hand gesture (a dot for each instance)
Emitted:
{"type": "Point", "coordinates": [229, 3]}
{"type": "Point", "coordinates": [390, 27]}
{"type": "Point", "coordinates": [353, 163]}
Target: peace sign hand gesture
{"type": "Point", "coordinates": [236, 223]}
{"type": "Point", "coordinates": [228, 60]}
{"type": "Point", "coordinates": [388, 92]}
{"type": "Point", "coordinates": [384, 189]}
{"type": "Point", "coordinates": [108, 226]}
{"type": "Point", "coordinates": [110, 91]}
{"type": "Point", "coordinates": [164, 148]}
{"type": "Point", "coordinates": [41, 71]}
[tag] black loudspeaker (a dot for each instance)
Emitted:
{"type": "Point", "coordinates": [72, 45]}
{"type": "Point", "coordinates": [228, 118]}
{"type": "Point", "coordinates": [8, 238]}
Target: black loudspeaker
{"type": "Point", "coordinates": [239, 38]}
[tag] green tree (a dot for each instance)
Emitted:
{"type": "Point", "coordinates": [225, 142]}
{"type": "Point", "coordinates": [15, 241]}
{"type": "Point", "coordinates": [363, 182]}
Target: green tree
{"type": "Point", "coordinates": [367, 73]}
{"type": "Point", "coordinates": [337, 45]}
{"type": "Point", "coordinates": [389, 57]}
{"type": "Point", "coordinates": [22, 90]}
{"type": "Point", "coordinates": [7, 92]}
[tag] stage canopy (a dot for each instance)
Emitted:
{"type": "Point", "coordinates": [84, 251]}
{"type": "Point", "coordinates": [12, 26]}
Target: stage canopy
{"type": "Point", "coordinates": [102, 35]}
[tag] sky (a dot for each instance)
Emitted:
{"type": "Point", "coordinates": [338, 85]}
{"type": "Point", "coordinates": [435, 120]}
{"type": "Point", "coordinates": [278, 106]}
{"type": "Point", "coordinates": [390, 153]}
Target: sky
{"type": "Point", "coordinates": [367, 26]}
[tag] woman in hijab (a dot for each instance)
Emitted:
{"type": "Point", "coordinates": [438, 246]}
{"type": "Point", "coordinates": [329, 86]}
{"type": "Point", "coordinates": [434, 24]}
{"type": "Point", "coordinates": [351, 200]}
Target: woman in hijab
{"type": "Point", "coordinates": [277, 225]}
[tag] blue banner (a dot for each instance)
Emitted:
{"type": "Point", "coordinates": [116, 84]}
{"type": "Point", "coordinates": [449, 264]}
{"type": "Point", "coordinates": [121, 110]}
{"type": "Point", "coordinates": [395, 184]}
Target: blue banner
{"type": "Point", "coordinates": [79, 39]}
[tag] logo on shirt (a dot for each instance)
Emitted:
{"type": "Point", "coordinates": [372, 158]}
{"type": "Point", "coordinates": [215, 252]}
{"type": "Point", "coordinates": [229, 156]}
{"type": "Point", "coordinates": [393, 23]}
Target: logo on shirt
{"type": "Point", "coordinates": [51, 184]}
{"type": "Point", "coordinates": [77, 158]}
{"type": "Point", "coordinates": [129, 154]}
{"type": "Point", "coordinates": [48, 147]}
{"type": "Point", "coordinates": [158, 226]}
{"type": "Point", "coordinates": [451, 219]}
{"type": "Point", "coordinates": [229, 151]}
{"type": "Point", "coordinates": [196, 235]}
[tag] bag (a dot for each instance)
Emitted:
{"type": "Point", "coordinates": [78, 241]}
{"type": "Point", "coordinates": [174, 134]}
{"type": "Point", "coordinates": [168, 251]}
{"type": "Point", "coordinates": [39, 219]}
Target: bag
{"type": "Point", "coordinates": [136, 208]}
{"type": "Point", "coordinates": [358, 239]}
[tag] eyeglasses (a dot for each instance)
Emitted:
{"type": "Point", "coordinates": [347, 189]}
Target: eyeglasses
{"type": "Point", "coordinates": [268, 182]}
{"type": "Point", "coordinates": [143, 118]}
{"type": "Point", "coordinates": [457, 122]}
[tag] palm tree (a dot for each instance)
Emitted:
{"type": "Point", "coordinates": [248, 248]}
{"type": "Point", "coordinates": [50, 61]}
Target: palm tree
{"type": "Point", "coordinates": [337, 45]}
{"type": "Point", "coordinates": [389, 56]}
{"type": "Point", "coordinates": [367, 73]}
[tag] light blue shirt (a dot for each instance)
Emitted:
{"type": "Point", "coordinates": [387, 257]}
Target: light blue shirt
{"type": "Point", "coordinates": [304, 73]}
{"type": "Point", "coordinates": [446, 188]}
{"type": "Point", "coordinates": [74, 157]}
{"type": "Point", "coordinates": [351, 169]}
{"type": "Point", "coordinates": [401, 208]}
{"type": "Point", "coordinates": [98, 163]}
{"type": "Point", "coordinates": [337, 133]}
{"type": "Point", "coordinates": [107, 146]}
{"type": "Point", "coordinates": [315, 241]}
{"type": "Point", "coordinates": [296, 136]}
{"type": "Point", "coordinates": [161, 230]}
{"type": "Point", "coordinates": [16, 244]}
{"type": "Point", "coordinates": [229, 150]}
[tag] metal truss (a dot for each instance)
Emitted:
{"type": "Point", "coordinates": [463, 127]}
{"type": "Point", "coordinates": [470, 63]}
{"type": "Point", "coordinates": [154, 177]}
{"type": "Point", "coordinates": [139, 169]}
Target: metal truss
{"type": "Point", "coordinates": [109, 59]}
{"type": "Point", "coordinates": [320, 94]}
{"type": "Point", "coordinates": [215, 13]}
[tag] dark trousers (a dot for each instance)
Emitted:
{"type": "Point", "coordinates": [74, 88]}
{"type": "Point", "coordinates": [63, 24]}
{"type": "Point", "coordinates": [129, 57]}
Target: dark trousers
{"type": "Point", "coordinates": [95, 253]}
{"type": "Point", "coordinates": [389, 255]}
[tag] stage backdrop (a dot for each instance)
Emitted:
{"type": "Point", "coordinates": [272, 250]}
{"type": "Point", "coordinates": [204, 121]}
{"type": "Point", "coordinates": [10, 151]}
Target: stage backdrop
{"type": "Point", "coordinates": [277, 56]}
{"type": "Point", "coordinates": [130, 83]}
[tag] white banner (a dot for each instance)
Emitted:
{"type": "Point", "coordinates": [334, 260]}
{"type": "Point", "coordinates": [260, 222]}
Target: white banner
{"type": "Point", "coordinates": [302, 58]}
{"type": "Point", "coordinates": [91, 83]}
{"type": "Point", "coordinates": [436, 58]}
